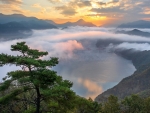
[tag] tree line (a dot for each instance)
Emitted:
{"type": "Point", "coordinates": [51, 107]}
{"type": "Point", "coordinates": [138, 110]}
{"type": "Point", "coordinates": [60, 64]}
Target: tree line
{"type": "Point", "coordinates": [36, 88]}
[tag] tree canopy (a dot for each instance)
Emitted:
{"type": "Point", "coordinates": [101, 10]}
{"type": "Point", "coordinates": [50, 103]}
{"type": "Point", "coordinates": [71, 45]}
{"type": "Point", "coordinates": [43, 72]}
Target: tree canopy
{"type": "Point", "coordinates": [36, 86]}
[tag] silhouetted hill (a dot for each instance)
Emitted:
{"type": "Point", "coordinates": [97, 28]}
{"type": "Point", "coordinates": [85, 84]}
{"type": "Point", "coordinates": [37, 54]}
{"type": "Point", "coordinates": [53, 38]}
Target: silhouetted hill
{"type": "Point", "coordinates": [136, 24]}
{"type": "Point", "coordinates": [138, 58]}
{"type": "Point", "coordinates": [13, 30]}
{"type": "Point", "coordinates": [30, 22]}
{"type": "Point", "coordinates": [80, 22]}
{"type": "Point", "coordinates": [13, 27]}
{"type": "Point", "coordinates": [14, 18]}
{"type": "Point", "coordinates": [138, 83]}
{"type": "Point", "coordinates": [135, 32]}
{"type": "Point", "coordinates": [51, 22]}
{"type": "Point", "coordinates": [37, 24]}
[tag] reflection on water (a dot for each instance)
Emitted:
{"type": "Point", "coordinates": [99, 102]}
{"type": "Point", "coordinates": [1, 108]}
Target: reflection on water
{"type": "Point", "coordinates": [94, 72]}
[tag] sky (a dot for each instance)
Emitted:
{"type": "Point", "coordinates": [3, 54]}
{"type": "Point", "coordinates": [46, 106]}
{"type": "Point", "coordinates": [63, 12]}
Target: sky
{"type": "Point", "coordinates": [99, 12]}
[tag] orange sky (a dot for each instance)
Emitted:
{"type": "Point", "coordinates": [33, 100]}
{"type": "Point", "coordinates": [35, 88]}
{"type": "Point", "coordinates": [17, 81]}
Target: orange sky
{"type": "Point", "coordinates": [98, 12]}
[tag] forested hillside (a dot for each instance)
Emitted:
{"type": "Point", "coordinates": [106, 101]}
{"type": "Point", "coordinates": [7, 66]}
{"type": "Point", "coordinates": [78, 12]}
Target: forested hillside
{"type": "Point", "coordinates": [138, 83]}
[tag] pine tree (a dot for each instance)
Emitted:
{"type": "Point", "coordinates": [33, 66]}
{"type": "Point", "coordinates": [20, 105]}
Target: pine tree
{"type": "Point", "coordinates": [112, 105]}
{"type": "Point", "coordinates": [35, 84]}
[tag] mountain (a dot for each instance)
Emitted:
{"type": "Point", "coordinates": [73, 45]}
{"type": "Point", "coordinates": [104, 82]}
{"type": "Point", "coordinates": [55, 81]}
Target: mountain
{"type": "Point", "coordinates": [136, 24]}
{"type": "Point", "coordinates": [30, 22]}
{"type": "Point", "coordinates": [14, 18]}
{"type": "Point", "coordinates": [80, 22]}
{"type": "Point", "coordinates": [37, 24]}
{"type": "Point", "coordinates": [138, 83]}
{"type": "Point", "coordinates": [135, 32]}
{"type": "Point", "coordinates": [51, 22]}
{"type": "Point", "coordinates": [13, 30]}
{"type": "Point", "coordinates": [13, 27]}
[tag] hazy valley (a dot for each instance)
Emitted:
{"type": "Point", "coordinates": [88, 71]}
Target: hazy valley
{"type": "Point", "coordinates": [87, 55]}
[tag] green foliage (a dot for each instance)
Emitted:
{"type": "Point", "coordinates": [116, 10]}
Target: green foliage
{"type": "Point", "coordinates": [87, 106]}
{"type": "Point", "coordinates": [147, 105]}
{"type": "Point", "coordinates": [112, 105]}
{"type": "Point", "coordinates": [35, 85]}
{"type": "Point", "coordinates": [133, 104]}
{"type": "Point", "coordinates": [36, 88]}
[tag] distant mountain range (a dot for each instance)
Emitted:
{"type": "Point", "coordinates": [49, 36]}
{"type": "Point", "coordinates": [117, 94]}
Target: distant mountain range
{"type": "Point", "coordinates": [29, 22]}
{"type": "Point", "coordinates": [13, 27]}
{"type": "Point", "coordinates": [134, 32]}
{"type": "Point", "coordinates": [35, 23]}
{"type": "Point", "coordinates": [80, 22]}
{"type": "Point", "coordinates": [136, 24]}
{"type": "Point", "coordinates": [14, 30]}
{"type": "Point", "coordinates": [19, 26]}
{"type": "Point", "coordinates": [138, 83]}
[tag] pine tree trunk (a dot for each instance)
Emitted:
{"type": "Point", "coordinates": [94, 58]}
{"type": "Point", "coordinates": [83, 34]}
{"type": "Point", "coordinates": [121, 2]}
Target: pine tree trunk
{"type": "Point", "coordinates": [38, 100]}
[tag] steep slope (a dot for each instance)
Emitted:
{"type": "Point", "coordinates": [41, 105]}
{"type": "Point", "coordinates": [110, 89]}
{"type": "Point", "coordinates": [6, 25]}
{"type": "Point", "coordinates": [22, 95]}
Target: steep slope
{"type": "Point", "coordinates": [134, 84]}
{"type": "Point", "coordinates": [138, 83]}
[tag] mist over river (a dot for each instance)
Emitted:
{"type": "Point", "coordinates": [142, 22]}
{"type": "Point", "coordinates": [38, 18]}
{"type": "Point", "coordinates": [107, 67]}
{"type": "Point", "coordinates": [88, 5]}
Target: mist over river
{"type": "Point", "coordinates": [92, 69]}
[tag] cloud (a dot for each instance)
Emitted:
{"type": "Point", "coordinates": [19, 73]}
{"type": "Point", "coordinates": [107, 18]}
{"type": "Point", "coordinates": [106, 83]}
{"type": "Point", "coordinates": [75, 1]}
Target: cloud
{"type": "Point", "coordinates": [107, 10]}
{"type": "Point", "coordinates": [54, 1]}
{"type": "Point", "coordinates": [79, 3]}
{"type": "Point", "coordinates": [73, 7]}
{"type": "Point", "coordinates": [12, 8]}
{"type": "Point", "coordinates": [66, 10]}
{"type": "Point", "coordinates": [84, 4]}
{"type": "Point", "coordinates": [101, 3]}
{"type": "Point", "coordinates": [93, 88]}
{"type": "Point", "coordinates": [67, 49]}
{"type": "Point", "coordinates": [36, 5]}
{"type": "Point", "coordinates": [92, 69]}
{"type": "Point", "coordinates": [133, 46]}
{"type": "Point", "coordinates": [122, 11]}
{"type": "Point", "coordinates": [11, 1]}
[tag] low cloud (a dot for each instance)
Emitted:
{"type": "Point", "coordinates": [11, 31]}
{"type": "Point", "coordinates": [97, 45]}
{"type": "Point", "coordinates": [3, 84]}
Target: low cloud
{"type": "Point", "coordinates": [92, 69]}
{"type": "Point", "coordinates": [93, 88]}
{"type": "Point", "coordinates": [133, 46]}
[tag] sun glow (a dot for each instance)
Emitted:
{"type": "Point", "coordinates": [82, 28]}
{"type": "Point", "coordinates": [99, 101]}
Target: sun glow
{"type": "Point", "coordinates": [94, 5]}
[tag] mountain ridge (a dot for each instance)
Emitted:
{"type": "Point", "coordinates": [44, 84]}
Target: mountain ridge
{"type": "Point", "coordinates": [134, 32]}
{"type": "Point", "coordinates": [136, 24]}
{"type": "Point", "coordinates": [30, 22]}
{"type": "Point", "coordinates": [138, 82]}
{"type": "Point", "coordinates": [79, 22]}
{"type": "Point", "coordinates": [14, 30]}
